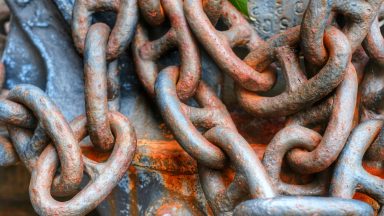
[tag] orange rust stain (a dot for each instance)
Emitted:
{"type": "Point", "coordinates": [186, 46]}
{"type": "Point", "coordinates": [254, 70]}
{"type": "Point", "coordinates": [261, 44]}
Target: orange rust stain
{"type": "Point", "coordinates": [134, 203]}
{"type": "Point", "coordinates": [164, 155]}
{"type": "Point", "coordinates": [168, 208]}
{"type": "Point", "coordinates": [95, 155]}
{"type": "Point", "coordinates": [185, 185]}
{"type": "Point", "coordinates": [374, 170]}
{"type": "Point", "coordinates": [377, 171]}
{"type": "Point", "coordinates": [367, 199]}
{"type": "Point", "coordinates": [165, 131]}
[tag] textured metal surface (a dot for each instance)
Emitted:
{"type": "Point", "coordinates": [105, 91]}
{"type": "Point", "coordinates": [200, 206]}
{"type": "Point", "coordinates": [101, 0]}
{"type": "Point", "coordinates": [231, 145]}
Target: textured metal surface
{"type": "Point", "coordinates": [275, 16]}
{"type": "Point", "coordinates": [226, 118]}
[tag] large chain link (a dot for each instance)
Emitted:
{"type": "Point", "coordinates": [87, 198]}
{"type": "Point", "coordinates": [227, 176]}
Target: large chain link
{"type": "Point", "coordinates": [146, 52]}
{"type": "Point", "coordinates": [333, 109]}
{"type": "Point", "coordinates": [219, 44]}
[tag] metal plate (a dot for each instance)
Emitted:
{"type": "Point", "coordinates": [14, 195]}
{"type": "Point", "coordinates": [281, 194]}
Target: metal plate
{"type": "Point", "coordinates": [274, 16]}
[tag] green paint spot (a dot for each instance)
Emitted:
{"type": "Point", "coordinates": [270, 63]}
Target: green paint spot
{"type": "Point", "coordinates": [241, 5]}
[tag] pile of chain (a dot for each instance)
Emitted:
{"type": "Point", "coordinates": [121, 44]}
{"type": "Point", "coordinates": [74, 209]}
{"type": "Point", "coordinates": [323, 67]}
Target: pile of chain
{"type": "Point", "coordinates": [332, 102]}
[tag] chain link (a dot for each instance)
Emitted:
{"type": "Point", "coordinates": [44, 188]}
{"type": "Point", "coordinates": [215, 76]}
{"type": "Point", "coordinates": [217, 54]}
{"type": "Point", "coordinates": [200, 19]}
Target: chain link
{"type": "Point", "coordinates": [219, 43]}
{"type": "Point", "coordinates": [179, 36]}
{"type": "Point", "coordinates": [122, 32]}
{"type": "Point", "coordinates": [349, 168]}
{"type": "Point", "coordinates": [104, 176]}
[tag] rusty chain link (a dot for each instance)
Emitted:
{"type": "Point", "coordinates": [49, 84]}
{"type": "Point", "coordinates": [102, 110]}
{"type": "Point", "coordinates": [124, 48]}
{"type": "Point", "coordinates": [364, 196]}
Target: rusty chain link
{"type": "Point", "coordinates": [351, 159]}
{"type": "Point", "coordinates": [299, 91]}
{"type": "Point", "coordinates": [104, 176]}
{"type": "Point", "coordinates": [179, 36]}
{"type": "Point", "coordinates": [219, 44]}
{"type": "Point", "coordinates": [95, 83]}
{"type": "Point", "coordinates": [122, 31]}
{"type": "Point", "coordinates": [331, 103]}
{"type": "Point", "coordinates": [53, 124]}
{"type": "Point", "coordinates": [336, 133]}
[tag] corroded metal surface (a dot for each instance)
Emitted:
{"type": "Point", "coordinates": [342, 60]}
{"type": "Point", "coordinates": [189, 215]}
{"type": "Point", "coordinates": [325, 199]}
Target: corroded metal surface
{"type": "Point", "coordinates": [275, 16]}
{"type": "Point", "coordinates": [191, 107]}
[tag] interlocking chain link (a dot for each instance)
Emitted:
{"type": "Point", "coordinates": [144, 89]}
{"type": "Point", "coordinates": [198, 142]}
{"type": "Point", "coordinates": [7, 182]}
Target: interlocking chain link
{"type": "Point", "coordinates": [349, 168]}
{"type": "Point", "coordinates": [122, 31]}
{"type": "Point", "coordinates": [299, 92]}
{"type": "Point", "coordinates": [336, 133]}
{"type": "Point", "coordinates": [95, 83]}
{"type": "Point", "coordinates": [179, 36]}
{"type": "Point", "coordinates": [53, 123]}
{"type": "Point", "coordinates": [219, 44]}
{"type": "Point", "coordinates": [104, 176]}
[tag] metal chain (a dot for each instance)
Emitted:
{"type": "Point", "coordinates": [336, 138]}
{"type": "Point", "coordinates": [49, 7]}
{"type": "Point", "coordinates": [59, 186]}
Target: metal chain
{"type": "Point", "coordinates": [122, 31]}
{"type": "Point", "coordinates": [27, 108]}
{"type": "Point", "coordinates": [219, 44]}
{"type": "Point", "coordinates": [337, 131]}
{"type": "Point", "coordinates": [299, 93]}
{"type": "Point", "coordinates": [104, 176]}
{"type": "Point", "coordinates": [146, 52]}
{"type": "Point", "coordinates": [334, 121]}
{"type": "Point", "coordinates": [349, 168]}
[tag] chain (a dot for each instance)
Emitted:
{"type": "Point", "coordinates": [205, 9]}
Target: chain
{"type": "Point", "coordinates": [331, 101]}
{"type": "Point", "coordinates": [146, 52]}
{"type": "Point", "coordinates": [104, 176]}
{"type": "Point", "coordinates": [298, 94]}
{"type": "Point", "coordinates": [34, 121]}
{"type": "Point", "coordinates": [219, 44]}
{"type": "Point", "coordinates": [351, 159]}
{"type": "Point", "coordinates": [123, 29]}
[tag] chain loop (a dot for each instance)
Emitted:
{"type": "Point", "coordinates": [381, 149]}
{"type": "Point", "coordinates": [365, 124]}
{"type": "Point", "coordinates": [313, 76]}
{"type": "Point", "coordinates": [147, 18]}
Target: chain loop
{"type": "Point", "coordinates": [291, 137]}
{"type": "Point", "coordinates": [300, 92]}
{"type": "Point", "coordinates": [122, 31]}
{"type": "Point", "coordinates": [146, 52]}
{"type": "Point", "coordinates": [245, 162]}
{"type": "Point", "coordinates": [59, 132]}
{"type": "Point", "coordinates": [219, 44]}
{"type": "Point", "coordinates": [360, 15]}
{"type": "Point", "coordinates": [305, 206]}
{"type": "Point", "coordinates": [104, 176]}
{"type": "Point", "coordinates": [339, 127]}
{"type": "Point", "coordinates": [349, 166]}
{"type": "Point", "coordinates": [214, 117]}
{"type": "Point", "coordinates": [95, 86]}
{"type": "Point", "coordinates": [181, 118]}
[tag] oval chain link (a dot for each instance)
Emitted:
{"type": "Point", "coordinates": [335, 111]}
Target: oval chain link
{"type": "Point", "coordinates": [146, 52]}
